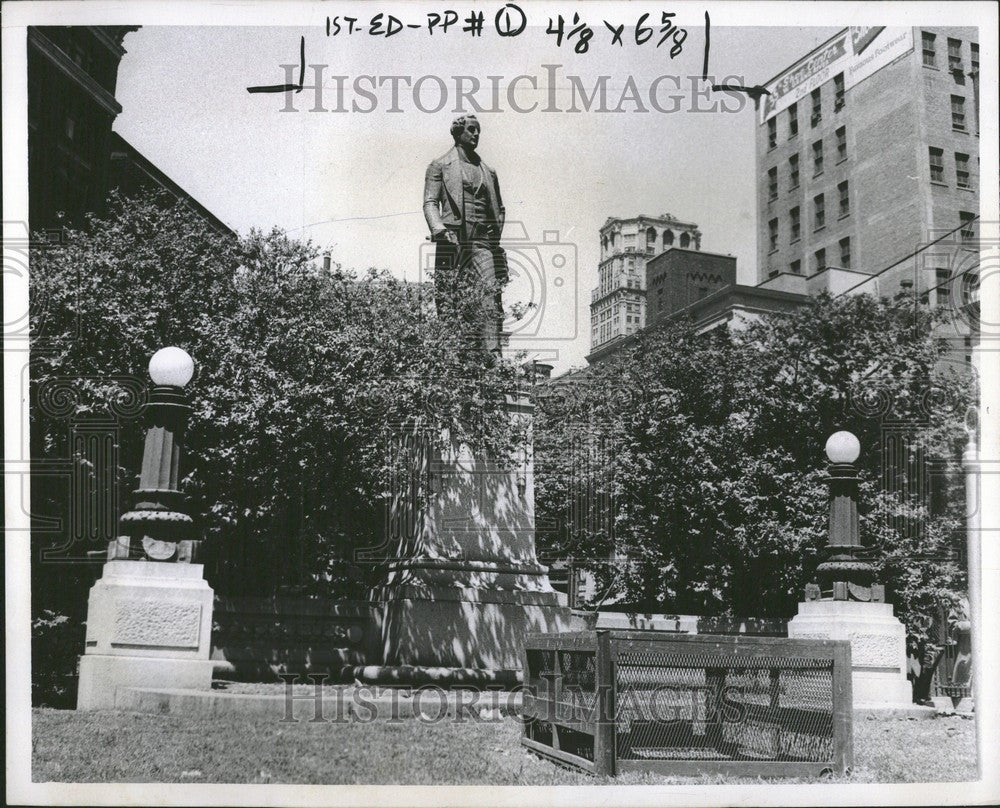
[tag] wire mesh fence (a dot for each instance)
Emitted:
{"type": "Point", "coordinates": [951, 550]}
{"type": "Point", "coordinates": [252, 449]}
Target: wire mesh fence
{"type": "Point", "coordinates": [612, 701]}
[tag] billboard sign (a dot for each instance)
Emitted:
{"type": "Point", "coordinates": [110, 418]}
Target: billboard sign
{"type": "Point", "coordinates": [856, 52]}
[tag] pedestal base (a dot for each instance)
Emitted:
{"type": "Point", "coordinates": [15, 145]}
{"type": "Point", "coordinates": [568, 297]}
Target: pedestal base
{"type": "Point", "coordinates": [149, 624]}
{"type": "Point", "coordinates": [456, 627]}
{"type": "Point", "coordinates": [878, 647]}
{"type": "Point", "coordinates": [103, 677]}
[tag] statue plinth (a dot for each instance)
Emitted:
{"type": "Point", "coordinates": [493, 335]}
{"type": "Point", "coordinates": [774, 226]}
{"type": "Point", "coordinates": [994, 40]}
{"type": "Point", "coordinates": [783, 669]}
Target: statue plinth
{"type": "Point", "coordinates": [465, 585]}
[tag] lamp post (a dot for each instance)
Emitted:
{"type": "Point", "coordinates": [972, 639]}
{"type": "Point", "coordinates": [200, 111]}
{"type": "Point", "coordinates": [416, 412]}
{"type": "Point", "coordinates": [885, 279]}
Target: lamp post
{"type": "Point", "coordinates": [845, 573]}
{"type": "Point", "coordinates": [149, 624]}
{"type": "Point", "coordinates": [846, 603]}
{"type": "Point", "coordinates": [158, 528]}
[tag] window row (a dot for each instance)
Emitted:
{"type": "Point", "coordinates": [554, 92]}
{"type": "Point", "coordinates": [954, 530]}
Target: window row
{"type": "Point", "coordinates": [817, 155]}
{"type": "Point", "coordinates": [956, 64]}
{"type": "Point", "coordinates": [818, 216]}
{"type": "Point", "coordinates": [820, 260]}
{"type": "Point", "coordinates": [666, 239]}
{"type": "Point", "coordinates": [815, 112]}
{"type": "Point", "coordinates": [963, 179]}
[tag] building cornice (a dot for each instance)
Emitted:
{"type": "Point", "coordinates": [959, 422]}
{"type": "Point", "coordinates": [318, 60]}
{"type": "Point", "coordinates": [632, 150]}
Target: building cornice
{"type": "Point", "coordinates": [55, 55]}
{"type": "Point", "coordinates": [102, 36]}
{"type": "Point", "coordinates": [666, 221]}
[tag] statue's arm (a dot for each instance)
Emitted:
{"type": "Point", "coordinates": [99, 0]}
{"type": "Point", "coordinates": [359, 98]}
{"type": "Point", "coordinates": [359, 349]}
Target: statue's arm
{"type": "Point", "coordinates": [502, 213]}
{"type": "Point", "coordinates": [432, 193]}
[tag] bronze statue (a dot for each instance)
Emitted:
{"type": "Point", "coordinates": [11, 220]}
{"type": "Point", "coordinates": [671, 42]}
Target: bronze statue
{"type": "Point", "coordinates": [465, 214]}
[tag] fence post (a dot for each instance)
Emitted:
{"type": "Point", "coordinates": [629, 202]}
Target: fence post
{"type": "Point", "coordinates": [843, 705]}
{"type": "Point", "coordinates": [604, 729]}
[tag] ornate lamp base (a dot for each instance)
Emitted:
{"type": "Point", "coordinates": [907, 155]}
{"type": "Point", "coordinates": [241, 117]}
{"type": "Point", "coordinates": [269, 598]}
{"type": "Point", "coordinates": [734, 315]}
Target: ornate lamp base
{"type": "Point", "coordinates": [878, 646]}
{"type": "Point", "coordinates": [148, 625]}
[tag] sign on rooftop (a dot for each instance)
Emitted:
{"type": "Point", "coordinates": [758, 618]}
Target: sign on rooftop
{"type": "Point", "coordinates": [857, 52]}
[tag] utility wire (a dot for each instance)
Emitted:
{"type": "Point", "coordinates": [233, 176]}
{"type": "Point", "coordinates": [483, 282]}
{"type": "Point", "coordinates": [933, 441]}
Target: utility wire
{"type": "Point", "coordinates": [908, 257]}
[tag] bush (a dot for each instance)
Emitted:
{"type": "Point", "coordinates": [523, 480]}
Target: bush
{"type": "Point", "coordinates": [57, 641]}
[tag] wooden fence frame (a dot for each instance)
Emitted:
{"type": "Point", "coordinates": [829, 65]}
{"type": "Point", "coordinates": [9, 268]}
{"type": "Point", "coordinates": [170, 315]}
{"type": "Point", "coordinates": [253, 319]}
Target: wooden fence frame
{"type": "Point", "coordinates": [567, 718]}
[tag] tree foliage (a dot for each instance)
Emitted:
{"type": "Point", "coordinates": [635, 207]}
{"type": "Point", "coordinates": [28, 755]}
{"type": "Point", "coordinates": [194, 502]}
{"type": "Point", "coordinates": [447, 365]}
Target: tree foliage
{"type": "Point", "coordinates": [305, 377]}
{"type": "Point", "coordinates": [694, 469]}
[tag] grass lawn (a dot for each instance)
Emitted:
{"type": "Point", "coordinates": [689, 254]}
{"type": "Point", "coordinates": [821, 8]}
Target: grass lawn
{"type": "Point", "coordinates": [131, 747]}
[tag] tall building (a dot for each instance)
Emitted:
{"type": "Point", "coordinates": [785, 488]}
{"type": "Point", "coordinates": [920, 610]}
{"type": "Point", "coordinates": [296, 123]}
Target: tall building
{"type": "Point", "coordinates": [867, 150]}
{"type": "Point", "coordinates": [618, 304]}
{"type": "Point", "coordinates": [72, 74]}
{"type": "Point", "coordinates": [678, 277]}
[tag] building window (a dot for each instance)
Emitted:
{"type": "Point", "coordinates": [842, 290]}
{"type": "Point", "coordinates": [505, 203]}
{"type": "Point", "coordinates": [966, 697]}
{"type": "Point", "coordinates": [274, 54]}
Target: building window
{"type": "Point", "coordinates": [968, 231]}
{"type": "Point", "coordinates": [819, 260]}
{"type": "Point", "coordinates": [937, 165]}
{"type": "Point", "coordinates": [817, 158]}
{"type": "Point", "coordinates": [955, 60]}
{"type": "Point", "coordinates": [793, 172]}
{"type": "Point", "coordinates": [974, 56]}
{"type": "Point", "coordinates": [962, 170]}
{"type": "Point", "coordinates": [928, 45]}
{"type": "Point", "coordinates": [685, 240]}
{"type": "Point", "coordinates": [942, 286]}
{"type": "Point", "coordinates": [845, 199]}
{"type": "Point", "coordinates": [796, 221]}
{"type": "Point", "coordinates": [838, 91]}
{"type": "Point", "coordinates": [958, 113]}
{"type": "Point", "coordinates": [668, 238]}
{"type": "Point", "coordinates": [793, 120]}
{"type": "Point", "coordinates": [817, 110]}
{"type": "Point", "coordinates": [819, 210]}
{"type": "Point", "coordinates": [772, 133]}
{"type": "Point", "coordinates": [772, 183]}
{"type": "Point", "coordinates": [845, 253]}
{"type": "Point", "coordinates": [796, 267]}
{"type": "Point", "coordinates": [842, 143]}
{"type": "Point", "coordinates": [772, 235]}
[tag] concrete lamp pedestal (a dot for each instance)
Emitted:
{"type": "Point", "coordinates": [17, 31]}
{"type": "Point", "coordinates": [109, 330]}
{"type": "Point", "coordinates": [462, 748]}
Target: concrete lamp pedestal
{"type": "Point", "coordinates": [878, 647]}
{"type": "Point", "coordinates": [149, 624]}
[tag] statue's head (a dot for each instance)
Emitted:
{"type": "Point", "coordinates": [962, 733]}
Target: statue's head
{"type": "Point", "coordinates": [465, 131]}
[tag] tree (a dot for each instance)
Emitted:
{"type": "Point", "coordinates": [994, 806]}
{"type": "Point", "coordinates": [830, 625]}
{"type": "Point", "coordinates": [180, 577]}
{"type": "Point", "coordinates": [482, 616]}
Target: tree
{"type": "Point", "coordinates": [305, 378]}
{"type": "Point", "coordinates": [715, 443]}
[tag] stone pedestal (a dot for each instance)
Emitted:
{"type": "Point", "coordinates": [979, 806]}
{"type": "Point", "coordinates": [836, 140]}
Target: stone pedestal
{"type": "Point", "coordinates": [465, 585]}
{"type": "Point", "coordinates": [149, 624]}
{"type": "Point", "coordinates": [878, 646]}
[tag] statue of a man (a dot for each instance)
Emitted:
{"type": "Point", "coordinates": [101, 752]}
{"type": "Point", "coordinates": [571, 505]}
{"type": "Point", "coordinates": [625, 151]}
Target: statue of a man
{"type": "Point", "coordinates": [465, 214]}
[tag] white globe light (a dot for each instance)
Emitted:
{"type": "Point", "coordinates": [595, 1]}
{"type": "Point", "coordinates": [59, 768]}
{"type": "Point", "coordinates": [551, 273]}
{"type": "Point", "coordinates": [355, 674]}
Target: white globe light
{"type": "Point", "coordinates": [171, 366]}
{"type": "Point", "coordinates": [842, 447]}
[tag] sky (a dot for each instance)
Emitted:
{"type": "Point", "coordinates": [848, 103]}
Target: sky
{"type": "Point", "coordinates": [352, 181]}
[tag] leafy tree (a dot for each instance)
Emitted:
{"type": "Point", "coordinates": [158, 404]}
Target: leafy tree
{"type": "Point", "coordinates": [306, 378]}
{"type": "Point", "coordinates": [713, 458]}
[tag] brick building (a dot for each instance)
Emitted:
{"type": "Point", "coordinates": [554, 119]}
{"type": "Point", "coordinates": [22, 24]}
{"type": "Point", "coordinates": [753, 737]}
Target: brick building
{"type": "Point", "coordinates": [618, 304]}
{"type": "Point", "coordinates": [867, 149]}
{"type": "Point", "coordinates": [131, 173]}
{"type": "Point", "coordinates": [74, 157]}
{"type": "Point", "coordinates": [72, 74]}
{"type": "Point", "coordinates": [678, 277]}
